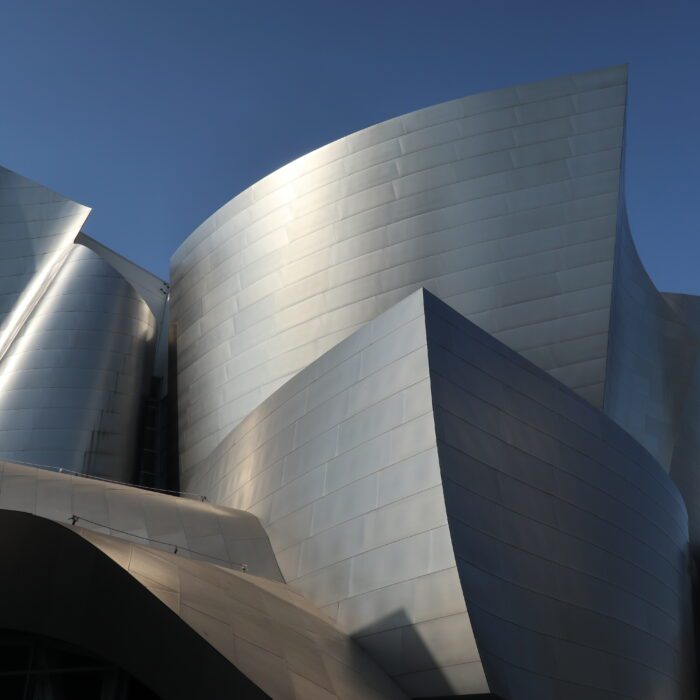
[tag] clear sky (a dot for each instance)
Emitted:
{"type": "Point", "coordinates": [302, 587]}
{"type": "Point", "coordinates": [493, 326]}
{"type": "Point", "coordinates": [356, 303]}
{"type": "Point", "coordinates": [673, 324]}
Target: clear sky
{"type": "Point", "coordinates": [157, 112]}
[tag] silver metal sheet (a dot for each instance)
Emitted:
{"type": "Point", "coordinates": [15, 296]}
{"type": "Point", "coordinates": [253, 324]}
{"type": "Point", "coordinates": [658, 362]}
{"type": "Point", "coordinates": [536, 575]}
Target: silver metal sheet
{"type": "Point", "coordinates": [503, 204]}
{"type": "Point", "coordinates": [279, 641]}
{"type": "Point", "coordinates": [73, 381]}
{"type": "Point", "coordinates": [198, 530]}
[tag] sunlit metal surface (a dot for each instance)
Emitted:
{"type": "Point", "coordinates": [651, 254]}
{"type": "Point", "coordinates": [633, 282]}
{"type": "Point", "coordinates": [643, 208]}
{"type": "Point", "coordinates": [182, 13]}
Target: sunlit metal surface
{"type": "Point", "coordinates": [452, 494]}
{"type": "Point", "coordinates": [153, 290]}
{"type": "Point", "coordinates": [341, 467]}
{"type": "Point", "coordinates": [72, 383]}
{"type": "Point", "coordinates": [37, 228]}
{"type": "Point", "coordinates": [503, 204]}
{"type": "Point", "coordinates": [562, 529]}
{"type": "Point", "coordinates": [286, 646]}
{"type": "Point", "coordinates": [193, 528]}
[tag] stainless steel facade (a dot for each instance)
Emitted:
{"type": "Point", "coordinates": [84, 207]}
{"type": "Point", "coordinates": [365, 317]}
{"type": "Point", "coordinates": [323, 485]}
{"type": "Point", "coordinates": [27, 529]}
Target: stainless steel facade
{"type": "Point", "coordinates": [37, 228]}
{"type": "Point", "coordinates": [341, 467]}
{"type": "Point", "coordinates": [570, 539]}
{"type": "Point", "coordinates": [503, 204]}
{"type": "Point", "coordinates": [431, 428]}
{"type": "Point", "coordinates": [72, 382]}
{"type": "Point", "coordinates": [196, 529]}
{"type": "Point", "coordinates": [421, 452]}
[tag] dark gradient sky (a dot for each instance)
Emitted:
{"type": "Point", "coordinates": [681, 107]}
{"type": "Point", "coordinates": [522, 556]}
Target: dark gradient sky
{"type": "Point", "coordinates": [156, 112]}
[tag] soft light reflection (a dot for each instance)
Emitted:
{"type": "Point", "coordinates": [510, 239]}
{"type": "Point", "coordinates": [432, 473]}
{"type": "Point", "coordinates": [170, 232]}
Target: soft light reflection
{"type": "Point", "coordinates": [33, 293]}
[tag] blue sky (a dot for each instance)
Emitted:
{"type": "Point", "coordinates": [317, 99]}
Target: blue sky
{"type": "Point", "coordinates": [157, 112]}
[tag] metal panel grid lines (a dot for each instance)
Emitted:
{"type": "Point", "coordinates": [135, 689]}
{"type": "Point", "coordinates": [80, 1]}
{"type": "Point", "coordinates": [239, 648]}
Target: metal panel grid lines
{"type": "Point", "coordinates": [419, 421]}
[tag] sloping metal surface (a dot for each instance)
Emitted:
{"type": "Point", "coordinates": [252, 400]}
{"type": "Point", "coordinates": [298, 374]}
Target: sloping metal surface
{"type": "Point", "coordinates": [503, 204]}
{"type": "Point", "coordinates": [469, 519]}
{"type": "Point", "coordinates": [195, 529]}
{"type": "Point", "coordinates": [72, 383]}
{"type": "Point", "coordinates": [274, 637]}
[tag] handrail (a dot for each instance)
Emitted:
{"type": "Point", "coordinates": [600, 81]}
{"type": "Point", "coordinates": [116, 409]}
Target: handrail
{"type": "Point", "coordinates": [75, 519]}
{"type": "Point", "coordinates": [61, 470]}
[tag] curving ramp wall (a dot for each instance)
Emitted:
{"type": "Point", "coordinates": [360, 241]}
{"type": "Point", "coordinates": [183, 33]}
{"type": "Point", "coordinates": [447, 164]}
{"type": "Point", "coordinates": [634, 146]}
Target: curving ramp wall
{"type": "Point", "coordinates": [195, 529]}
{"type": "Point", "coordinates": [72, 383]}
{"type": "Point", "coordinates": [504, 204]}
{"type": "Point", "coordinates": [185, 629]}
{"type": "Point", "coordinates": [475, 525]}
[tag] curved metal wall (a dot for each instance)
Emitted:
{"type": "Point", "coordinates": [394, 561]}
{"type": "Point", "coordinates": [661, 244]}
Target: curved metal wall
{"type": "Point", "coordinates": [571, 542]}
{"type": "Point", "coordinates": [197, 530]}
{"type": "Point", "coordinates": [341, 467]}
{"type": "Point", "coordinates": [288, 648]}
{"type": "Point", "coordinates": [652, 385]}
{"type": "Point", "coordinates": [72, 382]}
{"type": "Point", "coordinates": [472, 523]}
{"type": "Point", "coordinates": [37, 228]}
{"type": "Point", "coordinates": [504, 204]}
{"type": "Point", "coordinates": [651, 357]}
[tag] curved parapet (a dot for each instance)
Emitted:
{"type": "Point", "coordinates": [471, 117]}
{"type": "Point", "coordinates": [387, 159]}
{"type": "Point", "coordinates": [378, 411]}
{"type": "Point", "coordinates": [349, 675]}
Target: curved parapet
{"type": "Point", "coordinates": [195, 529]}
{"type": "Point", "coordinates": [503, 204]}
{"type": "Point", "coordinates": [185, 629]}
{"type": "Point", "coordinates": [73, 380]}
{"type": "Point", "coordinates": [474, 524]}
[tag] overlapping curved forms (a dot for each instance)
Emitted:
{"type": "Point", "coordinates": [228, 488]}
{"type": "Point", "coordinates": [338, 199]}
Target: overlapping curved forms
{"type": "Point", "coordinates": [186, 629]}
{"type": "Point", "coordinates": [503, 204]}
{"type": "Point", "coordinates": [444, 481]}
{"type": "Point", "coordinates": [653, 381]}
{"type": "Point", "coordinates": [65, 588]}
{"type": "Point", "coordinates": [150, 288]}
{"type": "Point", "coordinates": [571, 541]}
{"type": "Point", "coordinates": [421, 452]}
{"type": "Point", "coordinates": [279, 641]}
{"type": "Point", "coordinates": [73, 381]}
{"type": "Point", "coordinates": [341, 467]}
{"type": "Point", "coordinates": [193, 528]}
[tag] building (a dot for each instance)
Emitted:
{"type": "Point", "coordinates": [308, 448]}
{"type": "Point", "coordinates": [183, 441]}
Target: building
{"type": "Point", "coordinates": [410, 421]}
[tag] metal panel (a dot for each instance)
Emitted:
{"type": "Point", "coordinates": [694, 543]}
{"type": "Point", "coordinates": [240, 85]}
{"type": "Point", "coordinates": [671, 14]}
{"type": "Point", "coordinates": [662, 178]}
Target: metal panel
{"type": "Point", "coordinates": [652, 387]}
{"type": "Point", "coordinates": [279, 641]}
{"type": "Point", "coordinates": [341, 467]}
{"type": "Point", "coordinates": [570, 540]}
{"type": "Point", "coordinates": [420, 454]}
{"type": "Point", "coordinates": [194, 528]}
{"type": "Point", "coordinates": [503, 204]}
{"type": "Point", "coordinates": [72, 383]}
{"type": "Point", "coordinates": [37, 228]}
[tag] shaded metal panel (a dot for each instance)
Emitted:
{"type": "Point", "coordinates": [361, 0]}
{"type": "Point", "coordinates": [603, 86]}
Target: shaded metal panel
{"type": "Point", "coordinates": [283, 644]}
{"type": "Point", "coordinates": [73, 381]}
{"type": "Point", "coordinates": [652, 385]}
{"type": "Point", "coordinates": [341, 467]}
{"type": "Point", "coordinates": [570, 540]}
{"type": "Point", "coordinates": [504, 204]}
{"type": "Point", "coordinates": [62, 586]}
{"type": "Point", "coordinates": [198, 530]}
{"type": "Point", "coordinates": [652, 355]}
